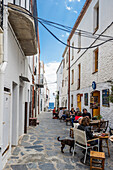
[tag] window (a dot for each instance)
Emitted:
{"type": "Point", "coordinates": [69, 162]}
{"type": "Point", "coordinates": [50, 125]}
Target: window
{"type": "Point", "coordinates": [79, 41]}
{"type": "Point", "coordinates": [67, 57]}
{"type": "Point", "coordinates": [79, 75]}
{"type": "Point", "coordinates": [72, 77]}
{"type": "Point", "coordinates": [30, 5]}
{"type": "Point", "coordinates": [17, 2]}
{"type": "Point", "coordinates": [64, 63]}
{"type": "Point", "coordinates": [96, 17]}
{"type": "Point", "coordinates": [95, 61]}
{"type": "Point", "coordinates": [25, 4]}
{"type": "Point", "coordinates": [105, 98]}
{"type": "Point", "coordinates": [71, 100]}
{"type": "Point", "coordinates": [62, 83]}
{"type": "Point", "coordinates": [86, 99]}
{"type": "Point", "coordinates": [72, 51]}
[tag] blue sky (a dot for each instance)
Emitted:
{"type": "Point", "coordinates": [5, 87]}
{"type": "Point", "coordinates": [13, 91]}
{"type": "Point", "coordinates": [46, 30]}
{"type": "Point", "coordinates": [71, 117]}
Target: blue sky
{"type": "Point", "coordinates": [64, 12]}
{"type": "Point", "coordinates": [60, 11]}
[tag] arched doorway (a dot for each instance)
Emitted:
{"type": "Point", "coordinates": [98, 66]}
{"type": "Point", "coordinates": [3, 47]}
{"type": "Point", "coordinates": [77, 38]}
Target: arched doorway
{"type": "Point", "coordinates": [95, 103]}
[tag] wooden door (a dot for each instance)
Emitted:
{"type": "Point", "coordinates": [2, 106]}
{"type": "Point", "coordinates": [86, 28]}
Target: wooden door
{"type": "Point", "coordinates": [96, 110]}
{"type": "Point", "coordinates": [79, 101]}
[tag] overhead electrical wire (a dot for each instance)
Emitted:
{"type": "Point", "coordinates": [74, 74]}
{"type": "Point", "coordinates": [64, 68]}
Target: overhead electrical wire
{"type": "Point", "coordinates": [81, 48]}
{"type": "Point", "coordinates": [76, 33]}
{"type": "Point", "coordinates": [79, 30]}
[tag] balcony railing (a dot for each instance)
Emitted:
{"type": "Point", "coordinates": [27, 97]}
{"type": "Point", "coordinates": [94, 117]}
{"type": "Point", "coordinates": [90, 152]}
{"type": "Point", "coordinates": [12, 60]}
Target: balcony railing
{"type": "Point", "coordinates": [1, 14]}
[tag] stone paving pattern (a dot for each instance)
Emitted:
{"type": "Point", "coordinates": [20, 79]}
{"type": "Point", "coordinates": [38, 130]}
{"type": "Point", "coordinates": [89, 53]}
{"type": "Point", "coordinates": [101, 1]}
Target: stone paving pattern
{"type": "Point", "coordinates": [40, 150]}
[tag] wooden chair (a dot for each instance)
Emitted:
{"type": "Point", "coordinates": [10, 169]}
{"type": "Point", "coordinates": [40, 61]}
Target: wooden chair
{"type": "Point", "coordinates": [98, 156]}
{"type": "Point", "coordinates": [103, 126]}
{"type": "Point", "coordinates": [81, 141]}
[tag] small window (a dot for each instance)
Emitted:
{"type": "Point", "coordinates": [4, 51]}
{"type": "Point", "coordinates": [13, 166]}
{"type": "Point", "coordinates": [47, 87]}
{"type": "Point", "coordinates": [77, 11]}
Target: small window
{"type": "Point", "coordinates": [72, 51]}
{"type": "Point", "coordinates": [86, 99]}
{"type": "Point", "coordinates": [79, 41]}
{"type": "Point", "coordinates": [72, 77]}
{"type": "Point", "coordinates": [79, 75]}
{"type": "Point", "coordinates": [105, 98]}
{"type": "Point", "coordinates": [96, 17]}
{"type": "Point", "coordinates": [62, 83]}
{"type": "Point", "coordinates": [64, 63]}
{"type": "Point", "coordinates": [17, 2]}
{"type": "Point", "coordinates": [71, 100]}
{"type": "Point", "coordinates": [67, 57]}
{"type": "Point", "coordinates": [25, 4]}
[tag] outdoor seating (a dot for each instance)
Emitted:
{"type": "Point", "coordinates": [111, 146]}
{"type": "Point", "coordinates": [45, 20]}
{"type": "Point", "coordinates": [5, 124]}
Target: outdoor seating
{"type": "Point", "coordinates": [103, 126]}
{"type": "Point", "coordinates": [95, 124]}
{"type": "Point", "coordinates": [104, 137]}
{"type": "Point", "coordinates": [81, 141]}
{"type": "Point", "coordinates": [99, 125]}
{"type": "Point", "coordinates": [99, 156]}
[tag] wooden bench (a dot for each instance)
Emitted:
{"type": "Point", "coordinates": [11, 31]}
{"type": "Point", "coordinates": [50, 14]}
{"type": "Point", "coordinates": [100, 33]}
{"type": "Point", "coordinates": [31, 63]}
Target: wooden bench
{"type": "Point", "coordinates": [98, 156]}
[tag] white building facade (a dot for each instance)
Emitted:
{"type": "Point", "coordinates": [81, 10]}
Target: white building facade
{"type": "Point", "coordinates": [59, 73]}
{"type": "Point", "coordinates": [44, 92]}
{"type": "Point", "coordinates": [18, 40]}
{"type": "Point", "coordinates": [91, 68]}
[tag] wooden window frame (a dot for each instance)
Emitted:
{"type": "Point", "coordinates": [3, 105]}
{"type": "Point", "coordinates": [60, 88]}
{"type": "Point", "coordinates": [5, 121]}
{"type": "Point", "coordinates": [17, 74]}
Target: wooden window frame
{"type": "Point", "coordinates": [79, 76]}
{"type": "Point", "coordinates": [96, 60]}
{"type": "Point", "coordinates": [79, 41]}
{"type": "Point", "coordinates": [96, 18]}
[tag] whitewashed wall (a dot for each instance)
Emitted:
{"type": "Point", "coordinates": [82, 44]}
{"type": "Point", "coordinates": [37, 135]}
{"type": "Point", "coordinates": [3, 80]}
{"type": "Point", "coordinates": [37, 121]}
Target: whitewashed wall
{"type": "Point", "coordinates": [105, 61]}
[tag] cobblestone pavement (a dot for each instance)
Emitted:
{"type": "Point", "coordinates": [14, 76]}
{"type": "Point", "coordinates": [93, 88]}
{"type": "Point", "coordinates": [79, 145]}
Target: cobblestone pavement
{"type": "Point", "coordinates": [40, 150]}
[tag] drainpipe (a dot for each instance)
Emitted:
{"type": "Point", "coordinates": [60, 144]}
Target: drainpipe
{"type": "Point", "coordinates": [69, 78]}
{"type": "Point", "coordinates": [3, 65]}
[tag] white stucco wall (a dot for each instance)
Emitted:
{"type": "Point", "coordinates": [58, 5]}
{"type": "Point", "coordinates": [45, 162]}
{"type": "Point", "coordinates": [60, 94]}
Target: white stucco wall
{"type": "Point", "coordinates": [105, 59]}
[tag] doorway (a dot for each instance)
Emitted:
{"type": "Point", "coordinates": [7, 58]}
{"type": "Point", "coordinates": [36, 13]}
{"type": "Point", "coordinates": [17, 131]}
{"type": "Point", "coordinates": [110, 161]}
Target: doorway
{"type": "Point", "coordinates": [20, 110]}
{"type": "Point", "coordinates": [79, 101]}
{"type": "Point", "coordinates": [14, 114]}
{"type": "Point", "coordinates": [6, 122]}
{"type": "Point", "coordinates": [96, 103]}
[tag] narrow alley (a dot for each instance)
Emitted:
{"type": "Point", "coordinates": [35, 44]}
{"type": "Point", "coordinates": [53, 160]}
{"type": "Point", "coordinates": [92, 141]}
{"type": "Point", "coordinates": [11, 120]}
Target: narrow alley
{"type": "Point", "coordinates": [40, 150]}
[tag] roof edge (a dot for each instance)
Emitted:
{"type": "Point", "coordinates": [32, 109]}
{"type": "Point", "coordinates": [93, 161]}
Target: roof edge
{"type": "Point", "coordinates": [82, 13]}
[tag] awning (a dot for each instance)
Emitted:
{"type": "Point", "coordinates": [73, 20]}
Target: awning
{"type": "Point", "coordinates": [24, 28]}
{"type": "Point", "coordinates": [24, 78]}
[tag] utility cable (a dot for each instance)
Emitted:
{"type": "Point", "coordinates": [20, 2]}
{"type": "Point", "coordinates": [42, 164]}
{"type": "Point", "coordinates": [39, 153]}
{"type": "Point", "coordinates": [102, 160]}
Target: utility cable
{"type": "Point", "coordinates": [82, 48]}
